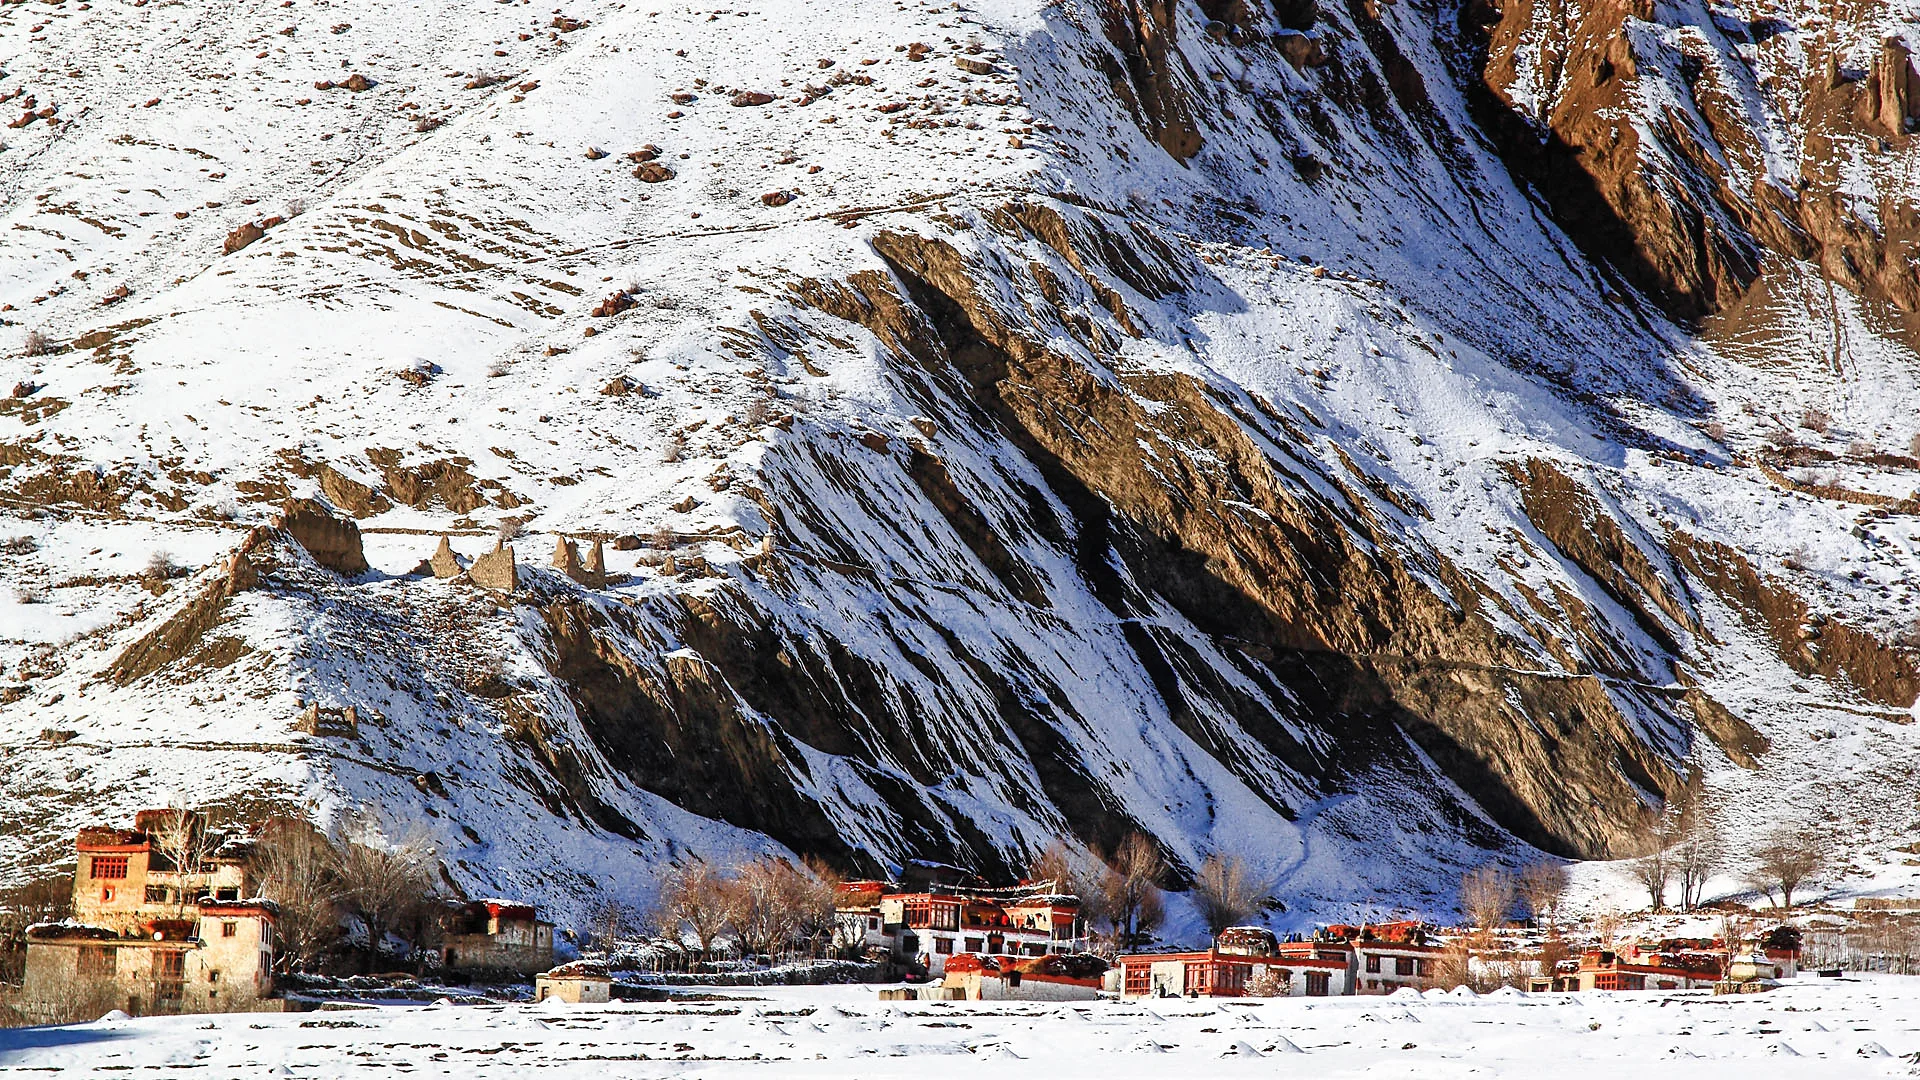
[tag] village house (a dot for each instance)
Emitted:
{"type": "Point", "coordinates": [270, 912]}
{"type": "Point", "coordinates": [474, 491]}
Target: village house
{"type": "Point", "coordinates": [924, 928]}
{"type": "Point", "coordinates": [1023, 978]}
{"type": "Point", "coordinates": [496, 937]}
{"type": "Point", "coordinates": [125, 877]}
{"type": "Point", "coordinates": [582, 982]}
{"type": "Point", "coordinates": [1387, 956]}
{"type": "Point", "coordinates": [1648, 968]}
{"type": "Point", "coordinates": [159, 925]}
{"type": "Point", "coordinates": [1241, 957]}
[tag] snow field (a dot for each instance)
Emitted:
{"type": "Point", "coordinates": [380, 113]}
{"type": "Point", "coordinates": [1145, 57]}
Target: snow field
{"type": "Point", "coordinates": [1812, 1028]}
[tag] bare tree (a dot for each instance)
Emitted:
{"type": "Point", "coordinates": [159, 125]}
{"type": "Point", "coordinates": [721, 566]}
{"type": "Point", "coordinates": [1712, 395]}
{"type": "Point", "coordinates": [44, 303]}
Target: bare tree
{"type": "Point", "coordinates": [769, 895]}
{"type": "Point", "coordinates": [1129, 894]}
{"type": "Point", "coordinates": [182, 836]}
{"type": "Point", "coordinates": [1608, 921]}
{"type": "Point", "coordinates": [1695, 858]}
{"type": "Point", "coordinates": [1055, 863]}
{"type": "Point", "coordinates": [47, 899]}
{"type": "Point", "coordinates": [382, 880]}
{"type": "Point", "coordinates": [1787, 858]}
{"type": "Point", "coordinates": [1225, 893]}
{"type": "Point", "coordinates": [612, 921]}
{"type": "Point", "coordinates": [297, 869]}
{"type": "Point", "coordinates": [1542, 886]}
{"type": "Point", "coordinates": [695, 899]}
{"type": "Point", "coordinates": [816, 918]}
{"type": "Point", "coordinates": [1486, 897]}
{"type": "Point", "coordinates": [1653, 871]}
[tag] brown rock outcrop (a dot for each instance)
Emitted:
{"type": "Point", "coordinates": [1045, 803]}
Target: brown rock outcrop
{"type": "Point", "coordinates": [1152, 76]}
{"type": "Point", "coordinates": [239, 238]}
{"type": "Point", "coordinates": [1305, 583]}
{"type": "Point", "coordinates": [1691, 214]}
{"type": "Point", "coordinates": [333, 542]}
{"type": "Point", "coordinates": [1892, 93]}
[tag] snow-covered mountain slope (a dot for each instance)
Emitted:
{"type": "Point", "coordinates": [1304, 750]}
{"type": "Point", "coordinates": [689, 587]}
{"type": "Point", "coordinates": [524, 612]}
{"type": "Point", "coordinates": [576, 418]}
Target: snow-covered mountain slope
{"type": "Point", "coordinates": [1062, 419]}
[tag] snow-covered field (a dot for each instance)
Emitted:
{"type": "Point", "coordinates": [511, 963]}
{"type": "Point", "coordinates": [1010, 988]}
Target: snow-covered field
{"type": "Point", "coordinates": [1813, 1028]}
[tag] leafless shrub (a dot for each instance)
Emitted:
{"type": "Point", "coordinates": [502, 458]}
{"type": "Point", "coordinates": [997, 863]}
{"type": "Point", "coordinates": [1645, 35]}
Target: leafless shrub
{"type": "Point", "coordinates": [666, 302]}
{"type": "Point", "coordinates": [759, 411]}
{"type": "Point", "coordinates": [508, 529]}
{"type": "Point", "coordinates": [1716, 431]}
{"type": "Point", "coordinates": [496, 369]}
{"type": "Point", "coordinates": [27, 594]}
{"type": "Point", "coordinates": [676, 448]}
{"type": "Point", "coordinates": [1815, 419]}
{"type": "Point", "coordinates": [427, 122]}
{"type": "Point", "coordinates": [295, 207]}
{"type": "Point", "coordinates": [19, 545]}
{"type": "Point", "coordinates": [1782, 439]}
{"type": "Point", "coordinates": [1913, 446]}
{"type": "Point", "coordinates": [662, 539]}
{"type": "Point", "coordinates": [160, 566]}
{"type": "Point", "coordinates": [1861, 448]}
{"type": "Point", "coordinates": [35, 344]}
{"type": "Point", "coordinates": [1266, 984]}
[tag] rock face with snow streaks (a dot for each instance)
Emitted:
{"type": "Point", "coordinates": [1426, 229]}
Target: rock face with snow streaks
{"type": "Point", "coordinates": [1255, 425]}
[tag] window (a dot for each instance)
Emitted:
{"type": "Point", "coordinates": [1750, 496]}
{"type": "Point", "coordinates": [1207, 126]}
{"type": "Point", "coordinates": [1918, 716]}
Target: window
{"type": "Point", "coordinates": [1373, 964]}
{"type": "Point", "coordinates": [975, 944]}
{"type": "Point", "coordinates": [228, 893]}
{"type": "Point", "coordinates": [169, 976]}
{"type": "Point", "coordinates": [229, 929]}
{"type": "Point", "coordinates": [106, 894]}
{"type": "Point", "coordinates": [1423, 968]}
{"type": "Point", "coordinates": [1317, 984]}
{"type": "Point", "coordinates": [1013, 979]}
{"type": "Point", "coordinates": [1138, 980]}
{"type": "Point", "coordinates": [946, 916]}
{"type": "Point", "coordinates": [1403, 965]}
{"type": "Point", "coordinates": [105, 867]}
{"type": "Point", "coordinates": [873, 922]}
{"type": "Point", "coordinates": [95, 960]}
{"type": "Point", "coordinates": [943, 946]}
{"type": "Point", "coordinates": [213, 976]}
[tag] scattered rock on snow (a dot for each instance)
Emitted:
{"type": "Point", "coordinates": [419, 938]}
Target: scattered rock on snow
{"type": "Point", "coordinates": [747, 98]}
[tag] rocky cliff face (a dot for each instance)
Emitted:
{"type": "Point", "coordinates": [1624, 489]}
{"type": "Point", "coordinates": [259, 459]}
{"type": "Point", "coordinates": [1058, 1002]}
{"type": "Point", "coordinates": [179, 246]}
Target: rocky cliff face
{"type": "Point", "coordinates": [1258, 426]}
{"type": "Point", "coordinates": [1691, 146]}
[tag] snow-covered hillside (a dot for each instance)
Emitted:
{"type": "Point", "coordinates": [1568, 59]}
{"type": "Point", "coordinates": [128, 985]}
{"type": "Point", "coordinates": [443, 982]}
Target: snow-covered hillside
{"type": "Point", "coordinates": [1061, 419]}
